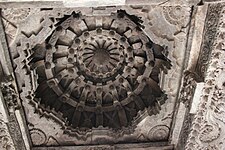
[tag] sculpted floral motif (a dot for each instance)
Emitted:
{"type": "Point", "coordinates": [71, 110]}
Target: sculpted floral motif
{"type": "Point", "coordinates": [209, 133]}
{"type": "Point", "coordinates": [38, 137]}
{"type": "Point", "coordinates": [158, 133]}
{"type": "Point", "coordinates": [174, 14]}
{"type": "Point", "coordinates": [218, 106]}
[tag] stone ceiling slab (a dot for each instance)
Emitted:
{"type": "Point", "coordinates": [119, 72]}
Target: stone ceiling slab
{"type": "Point", "coordinates": [165, 26]}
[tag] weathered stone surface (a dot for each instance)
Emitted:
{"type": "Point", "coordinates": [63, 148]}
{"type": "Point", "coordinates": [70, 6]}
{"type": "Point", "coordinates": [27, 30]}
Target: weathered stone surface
{"type": "Point", "coordinates": [61, 113]}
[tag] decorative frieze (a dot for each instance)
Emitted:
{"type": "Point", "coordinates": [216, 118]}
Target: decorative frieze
{"type": "Point", "coordinates": [210, 30]}
{"type": "Point", "coordinates": [208, 127]}
{"type": "Point", "coordinates": [6, 142]}
{"type": "Point", "coordinates": [9, 98]}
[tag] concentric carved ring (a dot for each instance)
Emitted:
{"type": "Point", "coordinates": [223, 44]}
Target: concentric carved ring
{"type": "Point", "coordinates": [98, 71]}
{"type": "Point", "coordinates": [101, 56]}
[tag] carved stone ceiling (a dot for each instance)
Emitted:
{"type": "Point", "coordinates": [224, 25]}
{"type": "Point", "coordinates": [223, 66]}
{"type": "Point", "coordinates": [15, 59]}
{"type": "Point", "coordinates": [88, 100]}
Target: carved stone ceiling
{"type": "Point", "coordinates": [98, 75]}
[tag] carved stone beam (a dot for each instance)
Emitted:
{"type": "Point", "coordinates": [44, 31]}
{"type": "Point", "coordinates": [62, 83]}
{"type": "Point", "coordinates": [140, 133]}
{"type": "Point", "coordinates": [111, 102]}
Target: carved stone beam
{"type": "Point", "coordinates": [138, 146]}
{"type": "Point", "coordinates": [196, 39]}
{"type": "Point", "coordinates": [200, 55]}
{"type": "Point", "coordinates": [94, 3]}
{"type": "Point", "coordinates": [6, 141]}
{"type": "Point", "coordinates": [5, 63]}
{"type": "Point", "coordinates": [182, 115]}
{"type": "Point", "coordinates": [11, 116]}
{"type": "Point", "coordinates": [209, 34]}
{"type": "Point", "coordinates": [208, 126]}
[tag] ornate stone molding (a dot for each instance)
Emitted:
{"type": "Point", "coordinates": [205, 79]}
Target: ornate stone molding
{"type": "Point", "coordinates": [6, 141]}
{"type": "Point", "coordinates": [207, 131]}
{"type": "Point", "coordinates": [9, 100]}
{"type": "Point", "coordinates": [192, 75]}
{"type": "Point", "coordinates": [211, 24]}
{"type": "Point", "coordinates": [10, 96]}
{"type": "Point", "coordinates": [188, 88]}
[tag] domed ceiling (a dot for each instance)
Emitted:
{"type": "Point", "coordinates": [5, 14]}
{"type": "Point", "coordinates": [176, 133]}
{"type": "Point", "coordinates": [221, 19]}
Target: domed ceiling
{"type": "Point", "coordinates": [99, 71]}
{"type": "Point", "coordinates": [98, 75]}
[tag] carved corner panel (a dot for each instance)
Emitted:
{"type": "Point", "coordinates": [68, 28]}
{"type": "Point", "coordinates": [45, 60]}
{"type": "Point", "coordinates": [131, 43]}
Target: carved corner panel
{"type": "Point", "coordinates": [97, 75]}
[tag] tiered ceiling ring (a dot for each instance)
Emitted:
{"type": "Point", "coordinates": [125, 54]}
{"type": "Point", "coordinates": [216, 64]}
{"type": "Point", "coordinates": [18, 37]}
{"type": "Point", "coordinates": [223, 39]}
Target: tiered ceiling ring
{"type": "Point", "coordinates": [99, 71]}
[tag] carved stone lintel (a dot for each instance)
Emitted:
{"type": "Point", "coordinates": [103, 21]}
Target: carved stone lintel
{"type": "Point", "coordinates": [9, 100]}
